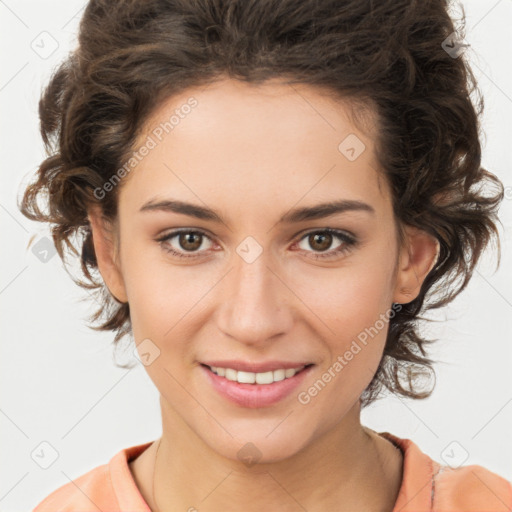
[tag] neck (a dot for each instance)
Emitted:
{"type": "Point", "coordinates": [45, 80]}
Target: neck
{"type": "Point", "coordinates": [348, 468]}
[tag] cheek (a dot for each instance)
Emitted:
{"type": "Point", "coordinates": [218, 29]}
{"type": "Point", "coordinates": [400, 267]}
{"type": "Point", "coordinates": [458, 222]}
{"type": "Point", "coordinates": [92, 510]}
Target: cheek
{"type": "Point", "coordinates": [348, 299]}
{"type": "Point", "coordinates": [355, 342]}
{"type": "Point", "coordinates": [351, 309]}
{"type": "Point", "coordinates": [158, 293]}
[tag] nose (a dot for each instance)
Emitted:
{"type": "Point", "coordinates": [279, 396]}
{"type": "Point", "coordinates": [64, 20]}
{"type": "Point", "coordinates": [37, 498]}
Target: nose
{"type": "Point", "coordinates": [255, 305]}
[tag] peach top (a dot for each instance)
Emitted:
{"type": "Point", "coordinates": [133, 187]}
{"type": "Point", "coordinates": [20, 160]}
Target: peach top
{"type": "Point", "coordinates": [426, 485]}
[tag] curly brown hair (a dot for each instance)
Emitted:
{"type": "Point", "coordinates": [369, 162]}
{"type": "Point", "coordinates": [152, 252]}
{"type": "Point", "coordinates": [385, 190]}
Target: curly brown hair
{"type": "Point", "coordinates": [390, 56]}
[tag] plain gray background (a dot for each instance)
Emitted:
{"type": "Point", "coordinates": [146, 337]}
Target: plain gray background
{"type": "Point", "coordinates": [58, 379]}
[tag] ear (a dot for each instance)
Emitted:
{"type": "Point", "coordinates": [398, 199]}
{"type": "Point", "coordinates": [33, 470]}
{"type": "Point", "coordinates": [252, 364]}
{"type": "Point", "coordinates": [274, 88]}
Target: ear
{"type": "Point", "coordinates": [417, 257]}
{"type": "Point", "coordinates": [105, 248]}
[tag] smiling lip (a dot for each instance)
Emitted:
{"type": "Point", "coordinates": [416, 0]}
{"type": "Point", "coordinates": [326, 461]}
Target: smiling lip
{"type": "Point", "coordinates": [245, 366]}
{"type": "Point", "coordinates": [254, 395]}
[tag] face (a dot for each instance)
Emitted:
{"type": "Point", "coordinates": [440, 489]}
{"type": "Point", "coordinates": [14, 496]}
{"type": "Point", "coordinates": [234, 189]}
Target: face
{"type": "Point", "coordinates": [267, 278]}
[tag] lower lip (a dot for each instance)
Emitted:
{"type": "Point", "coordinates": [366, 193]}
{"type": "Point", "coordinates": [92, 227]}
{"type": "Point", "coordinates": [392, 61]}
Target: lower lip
{"type": "Point", "coordinates": [255, 395]}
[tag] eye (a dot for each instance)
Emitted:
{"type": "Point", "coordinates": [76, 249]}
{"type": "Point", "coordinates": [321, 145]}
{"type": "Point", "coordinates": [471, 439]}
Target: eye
{"type": "Point", "coordinates": [321, 240]}
{"type": "Point", "coordinates": [179, 243]}
{"type": "Point", "coordinates": [186, 241]}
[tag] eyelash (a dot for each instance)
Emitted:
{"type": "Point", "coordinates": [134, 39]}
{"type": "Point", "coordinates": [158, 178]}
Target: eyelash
{"type": "Point", "coordinates": [349, 242]}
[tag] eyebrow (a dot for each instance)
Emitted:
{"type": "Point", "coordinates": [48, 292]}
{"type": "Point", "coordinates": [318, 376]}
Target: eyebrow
{"type": "Point", "coordinates": [295, 215]}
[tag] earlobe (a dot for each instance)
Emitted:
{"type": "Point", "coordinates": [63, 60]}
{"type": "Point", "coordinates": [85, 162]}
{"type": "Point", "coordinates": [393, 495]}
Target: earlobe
{"type": "Point", "coordinates": [106, 254]}
{"type": "Point", "coordinates": [417, 258]}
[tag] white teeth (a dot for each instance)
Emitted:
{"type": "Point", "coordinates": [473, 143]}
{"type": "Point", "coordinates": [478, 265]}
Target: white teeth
{"type": "Point", "coordinates": [230, 374]}
{"type": "Point", "coordinates": [279, 375]}
{"type": "Point", "coordinates": [265, 378]}
{"type": "Point", "coordinates": [252, 377]}
{"type": "Point", "coordinates": [245, 377]}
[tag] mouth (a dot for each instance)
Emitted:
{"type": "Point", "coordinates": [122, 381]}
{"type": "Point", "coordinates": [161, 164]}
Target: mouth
{"type": "Point", "coordinates": [264, 378]}
{"type": "Point", "coordinates": [255, 389]}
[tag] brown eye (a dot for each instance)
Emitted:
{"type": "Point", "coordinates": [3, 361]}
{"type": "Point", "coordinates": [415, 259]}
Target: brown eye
{"type": "Point", "coordinates": [184, 243]}
{"type": "Point", "coordinates": [190, 241]}
{"type": "Point", "coordinates": [321, 241]}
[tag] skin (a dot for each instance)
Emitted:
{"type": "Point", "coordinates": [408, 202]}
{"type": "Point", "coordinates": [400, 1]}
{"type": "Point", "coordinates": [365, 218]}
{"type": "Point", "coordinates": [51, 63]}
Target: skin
{"type": "Point", "coordinates": [253, 153]}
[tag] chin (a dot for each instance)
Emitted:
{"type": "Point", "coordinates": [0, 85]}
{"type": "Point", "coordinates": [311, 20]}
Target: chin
{"type": "Point", "coordinates": [254, 447]}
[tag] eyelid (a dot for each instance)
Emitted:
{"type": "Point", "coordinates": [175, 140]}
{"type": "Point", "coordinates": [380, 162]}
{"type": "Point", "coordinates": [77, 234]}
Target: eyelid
{"type": "Point", "coordinates": [326, 229]}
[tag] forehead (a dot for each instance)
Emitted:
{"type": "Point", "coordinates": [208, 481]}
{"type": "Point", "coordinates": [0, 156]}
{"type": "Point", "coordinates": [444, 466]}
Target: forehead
{"type": "Point", "coordinates": [274, 142]}
{"type": "Point", "coordinates": [229, 109]}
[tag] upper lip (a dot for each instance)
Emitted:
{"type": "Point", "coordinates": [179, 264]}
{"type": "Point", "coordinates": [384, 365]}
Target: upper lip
{"type": "Point", "coordinates": [247, 366]}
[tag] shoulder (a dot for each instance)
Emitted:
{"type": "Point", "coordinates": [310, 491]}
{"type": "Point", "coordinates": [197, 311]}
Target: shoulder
{"type": "Point", "coordinates": [471, 488]}
{"type": "Point", "coordinates": [429, 485]}
{"type": "Point", "coordinates": [110, 486]}
{"type": "Point", "coordinates": [90, 491]}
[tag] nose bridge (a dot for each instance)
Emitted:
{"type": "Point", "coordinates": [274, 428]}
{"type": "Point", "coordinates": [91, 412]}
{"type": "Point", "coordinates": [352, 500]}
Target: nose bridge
{"type": "Point", "coordinates": [254, 307]}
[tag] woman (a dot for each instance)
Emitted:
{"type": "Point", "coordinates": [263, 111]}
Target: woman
{"type": "Point", "coordinates": [267, 194]}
